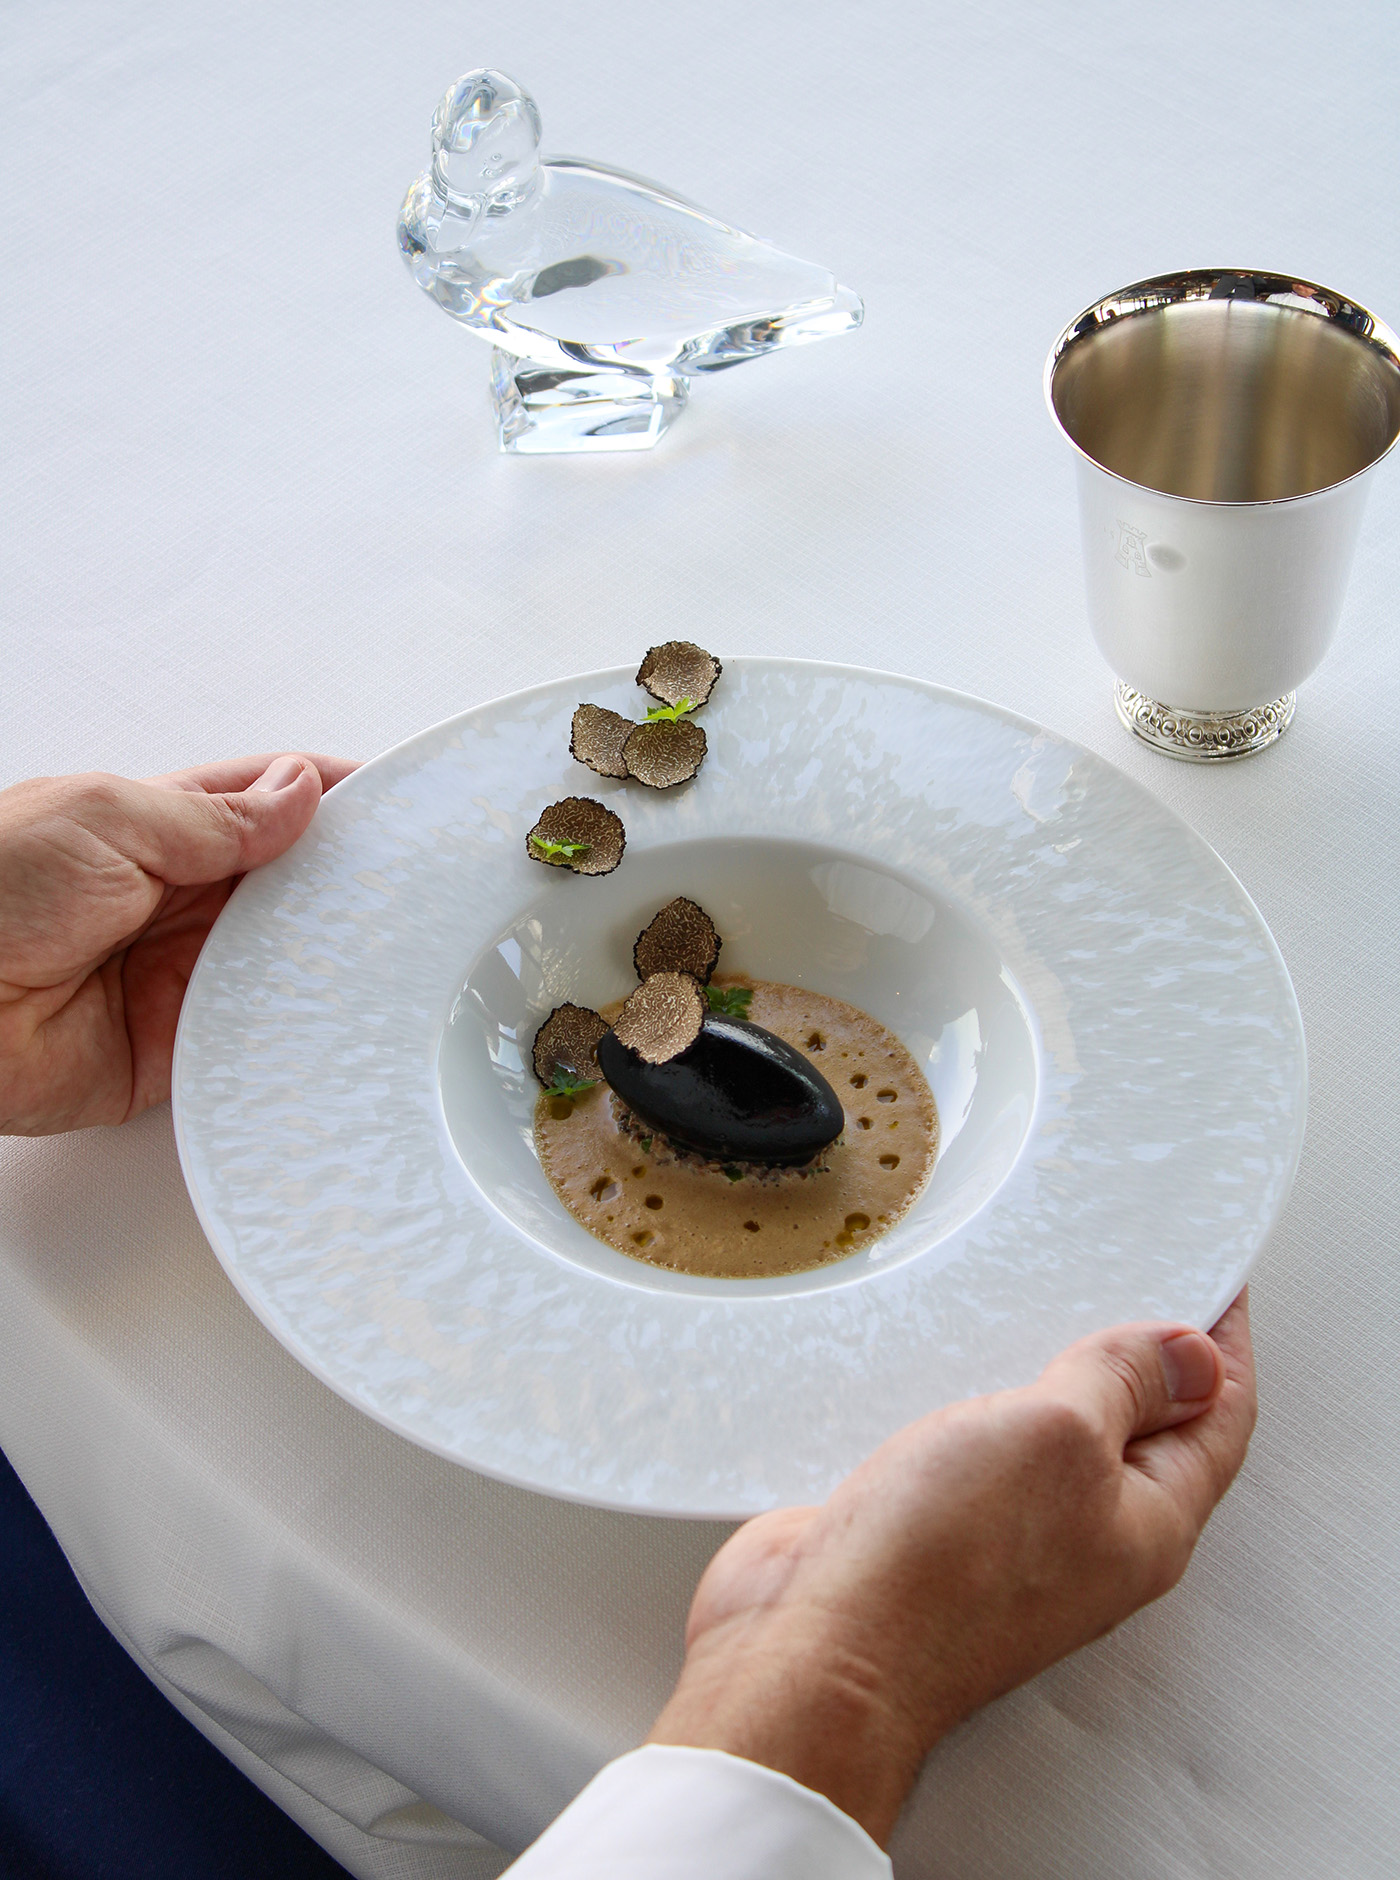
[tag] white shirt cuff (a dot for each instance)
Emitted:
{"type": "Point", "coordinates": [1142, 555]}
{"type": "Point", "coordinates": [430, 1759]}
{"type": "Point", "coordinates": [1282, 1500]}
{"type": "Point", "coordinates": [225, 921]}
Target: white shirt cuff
{"type": "Point", "coordinates": [668, 1813]}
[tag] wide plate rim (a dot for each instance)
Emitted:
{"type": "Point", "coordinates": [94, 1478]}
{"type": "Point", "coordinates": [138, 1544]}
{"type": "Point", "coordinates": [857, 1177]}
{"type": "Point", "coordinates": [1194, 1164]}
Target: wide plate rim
{"type": "Point", "coordinates": [306, 1354]}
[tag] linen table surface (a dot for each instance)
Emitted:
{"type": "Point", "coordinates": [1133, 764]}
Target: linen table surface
{"type": "Point", "coordinates": [252, 501]}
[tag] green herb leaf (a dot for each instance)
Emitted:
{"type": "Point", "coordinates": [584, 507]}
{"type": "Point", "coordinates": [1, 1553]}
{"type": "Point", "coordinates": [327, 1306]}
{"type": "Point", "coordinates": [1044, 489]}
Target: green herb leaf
{"type": "Point", "coordinates": [644, 1143]}
{"type": "Point", "coordinates": [558, 852]}
{"type": "Point", "coordinates": [682, 708]}
{"type": "Point", "coordinates": [730, 1001]}
{"type": "Point", "coordinates": [734, 1174]}
{"type": "Point", "coordinates": [565, 1086]}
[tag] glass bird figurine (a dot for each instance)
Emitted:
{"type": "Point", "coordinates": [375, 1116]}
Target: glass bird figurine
{"type": "Point", "coordinates": [603, 294]}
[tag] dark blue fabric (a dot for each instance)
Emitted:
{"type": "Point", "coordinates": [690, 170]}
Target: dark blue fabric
{"type": "Point", "coordinates": [101, 1778]}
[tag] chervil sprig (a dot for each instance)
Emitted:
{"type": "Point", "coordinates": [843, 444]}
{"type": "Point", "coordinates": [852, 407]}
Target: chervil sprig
{"type": "Point", "coordinates": [729, 1001]}
{"type": "Point", "coordinates": [559, 852]}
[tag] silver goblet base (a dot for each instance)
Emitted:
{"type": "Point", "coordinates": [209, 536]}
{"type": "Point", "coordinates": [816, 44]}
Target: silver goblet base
{"type": "Point", "coordinates": [1203, 737]}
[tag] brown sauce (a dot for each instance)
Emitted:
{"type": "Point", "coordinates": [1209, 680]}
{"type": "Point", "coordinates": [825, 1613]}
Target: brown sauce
{"type": "Point", "coordinates": [695, 1219]}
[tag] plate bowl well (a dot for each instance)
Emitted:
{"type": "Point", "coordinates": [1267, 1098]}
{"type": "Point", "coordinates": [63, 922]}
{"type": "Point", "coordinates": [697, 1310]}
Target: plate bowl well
{"type": "Point", "coordinates": [798, 913]}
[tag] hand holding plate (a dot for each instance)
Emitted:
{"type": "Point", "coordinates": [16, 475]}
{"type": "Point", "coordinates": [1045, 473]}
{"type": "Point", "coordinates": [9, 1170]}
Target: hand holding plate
{"type": "Point", "coordinates": [108, 889]}
{"type": "Point", "coordinates": [979, 1545]}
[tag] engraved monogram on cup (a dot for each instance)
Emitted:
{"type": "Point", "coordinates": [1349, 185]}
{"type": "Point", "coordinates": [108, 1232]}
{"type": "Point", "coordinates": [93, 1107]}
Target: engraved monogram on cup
{"type": "Point", "coordinates": [1132, 549]}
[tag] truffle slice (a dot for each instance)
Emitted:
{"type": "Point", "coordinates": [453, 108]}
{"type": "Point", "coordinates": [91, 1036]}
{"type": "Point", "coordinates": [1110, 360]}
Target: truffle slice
{"type": "Point", "coordinates": [662, 1018]}
{"type": "Point", "coordinates": [566, 1045]}
{"type": "Point", "coordinates": [597, 739]}
{"type": "Point", "coordinates": [578, 833]}
{"type": "Point", "coordinates": [679, 670]}
{"type": "Point", "coordinates": [662, 753]}
{"type": "Point", "coordinates": [680, 939]}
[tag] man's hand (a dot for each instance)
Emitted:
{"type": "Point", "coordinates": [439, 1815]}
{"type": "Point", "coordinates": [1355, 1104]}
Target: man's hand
{"type": "Point", "coordinates": [976, 1547]}
{"type": "Point", "coordinates": [107, 891]}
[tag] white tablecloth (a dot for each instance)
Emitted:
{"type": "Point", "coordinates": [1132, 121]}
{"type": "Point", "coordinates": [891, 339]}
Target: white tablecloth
{"type": "Point", "coordinates": [252, 500]}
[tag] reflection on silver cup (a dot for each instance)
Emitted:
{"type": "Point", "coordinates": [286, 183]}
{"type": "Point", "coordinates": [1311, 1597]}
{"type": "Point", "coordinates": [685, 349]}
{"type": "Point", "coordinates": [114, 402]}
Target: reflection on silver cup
{"type": "Point", "coordinates": [1224, 424]}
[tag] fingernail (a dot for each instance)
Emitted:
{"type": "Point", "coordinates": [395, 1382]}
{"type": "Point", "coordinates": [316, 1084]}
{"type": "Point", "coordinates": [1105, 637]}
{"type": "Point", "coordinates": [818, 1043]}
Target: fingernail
{"type": "Point", "coordinates": [1188, 1360]}
{"type": "Point", "coordinates": [279, 773]}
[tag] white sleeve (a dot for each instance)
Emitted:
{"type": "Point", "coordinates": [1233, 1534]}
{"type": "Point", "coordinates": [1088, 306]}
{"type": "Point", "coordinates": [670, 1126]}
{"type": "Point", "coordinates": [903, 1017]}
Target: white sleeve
{"type": "Point", "coordinates": [667, 1813]}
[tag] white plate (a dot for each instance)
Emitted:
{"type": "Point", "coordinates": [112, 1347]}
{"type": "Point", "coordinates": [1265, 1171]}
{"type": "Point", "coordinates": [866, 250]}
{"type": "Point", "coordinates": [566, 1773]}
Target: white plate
{"type": "Point", "coordinates": [1104, 1019]}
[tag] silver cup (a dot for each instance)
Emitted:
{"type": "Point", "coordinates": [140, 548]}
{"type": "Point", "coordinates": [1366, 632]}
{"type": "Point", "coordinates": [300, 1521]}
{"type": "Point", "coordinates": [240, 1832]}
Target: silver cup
{"type": "Point", "coordinates": [1225, 425]}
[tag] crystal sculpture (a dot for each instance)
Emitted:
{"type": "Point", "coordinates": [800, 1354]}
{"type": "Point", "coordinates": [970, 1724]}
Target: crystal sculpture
{"type": "Point", "coordinates": [602, 294]}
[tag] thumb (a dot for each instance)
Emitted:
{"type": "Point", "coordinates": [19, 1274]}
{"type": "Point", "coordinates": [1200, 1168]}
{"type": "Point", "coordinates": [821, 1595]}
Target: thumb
{"type": "Point", "coordinates": [1134, 1380]}
{"type": "Point", "coordinates": [188, 837]}
{"type": "Point", "coordinates": [751, 1570]}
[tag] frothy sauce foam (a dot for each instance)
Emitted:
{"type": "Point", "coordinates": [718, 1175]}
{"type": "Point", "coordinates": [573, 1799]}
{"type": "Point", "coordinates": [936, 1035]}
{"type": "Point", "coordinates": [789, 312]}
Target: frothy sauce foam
{"type": "Point", "coordinates": [693, 1220]}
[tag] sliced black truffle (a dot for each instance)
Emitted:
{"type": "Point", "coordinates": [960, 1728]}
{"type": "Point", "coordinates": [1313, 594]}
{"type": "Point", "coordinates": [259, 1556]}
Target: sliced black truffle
{"type": "Point", "coordinates": [680, 939]}
{"type": "Point", "coordinates": [662, 753]}
{"type": "Point", "coordinates": [662, 1017]}
{"type": "Point", "coordinates": [597, 738]}
{"type": "Point", "coordinates": [579, 833]}
{"type": "Point", "coordinates": [566, 1046]}
{"type": "Point", "coordinates": [737, 1094]}
{"type": "Point", "coordinates": [679, 670]}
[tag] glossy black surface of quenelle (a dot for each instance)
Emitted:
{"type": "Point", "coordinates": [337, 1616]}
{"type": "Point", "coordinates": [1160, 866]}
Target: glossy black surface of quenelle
{"type": "Point", "coordinates": [738, 1094]}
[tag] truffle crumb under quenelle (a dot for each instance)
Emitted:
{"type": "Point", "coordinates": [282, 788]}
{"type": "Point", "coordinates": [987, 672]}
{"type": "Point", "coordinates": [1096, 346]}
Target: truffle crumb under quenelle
{"type": "Point", "coordinates": [661, 1152]}
{"type": "Point", "coordinates": [681, 938]}
{"type": "Point", "coordinates": [578, 833]}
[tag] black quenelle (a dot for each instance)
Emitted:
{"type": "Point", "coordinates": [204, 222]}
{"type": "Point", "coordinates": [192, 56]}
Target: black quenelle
{"type": "Point", "coordinates": [738, 1094]}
